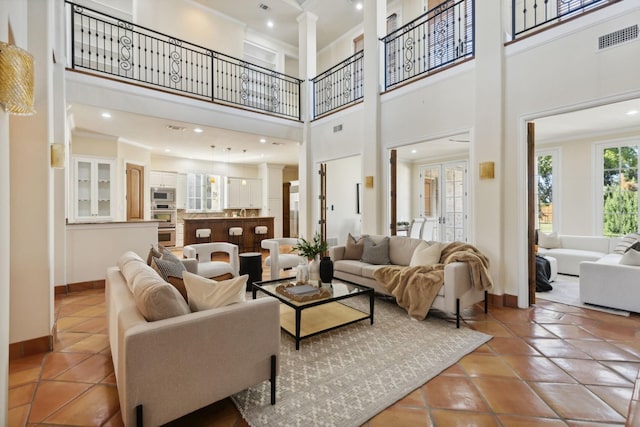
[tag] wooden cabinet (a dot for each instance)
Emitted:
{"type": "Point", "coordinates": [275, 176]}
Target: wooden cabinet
{"type": "Point", "coordinates": [163, 179]}
{"type": "Point", "coordinates": [243, 193]}
{"type": "Point", "coordinates": [220, 229]}
{"type": "Point", "coordinates": [93, 186]}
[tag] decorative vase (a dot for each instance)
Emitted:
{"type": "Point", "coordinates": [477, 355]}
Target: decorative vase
{"type": "Point", "coordinates": [302, 273]}
{"type": "Point", "coordinates": [326, 269]}
{"type": "Point", "coordinates": [314, 268]}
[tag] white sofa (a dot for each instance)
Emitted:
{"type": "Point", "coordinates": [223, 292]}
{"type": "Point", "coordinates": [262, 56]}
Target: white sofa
{"type": "Point", "coordinates": [456, 293]}
{"type": "Point", "coordinates": [208, 268]}
{"type": "Point", "coordinates": [572, 250]}
{"type": "Point", "coordinates": [168, 368]}
{"type": "Point", "coordinates": [607, 283]}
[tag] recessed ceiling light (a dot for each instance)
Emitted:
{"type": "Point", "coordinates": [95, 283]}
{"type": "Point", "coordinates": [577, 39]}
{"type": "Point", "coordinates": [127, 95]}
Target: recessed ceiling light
{"type": "Point", "coordinates": [106, 115]}
{"type": "Point", "coordinates": [270, 23]}
{"type": "Point", "coordinates": [263, 141]}
{"type": "Point", "coordinates": [359, 6]}
{"type": "Point", "coordinates": [414, 151]}
{"type": "Point", "coordinates": [167, 150]}
{"type": "Point", "coordinates": [632, 112]}
{"type": "Point", "coordinates": [198, 130]}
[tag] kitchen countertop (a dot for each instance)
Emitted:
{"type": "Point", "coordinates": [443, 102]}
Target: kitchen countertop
{"type": "Point", "coordinates": [145, 221]}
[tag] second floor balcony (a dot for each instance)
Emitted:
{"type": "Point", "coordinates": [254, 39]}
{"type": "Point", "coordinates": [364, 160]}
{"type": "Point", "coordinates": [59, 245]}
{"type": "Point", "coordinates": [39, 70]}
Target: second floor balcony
{"type": "Point", "coordinates": [442, 37]}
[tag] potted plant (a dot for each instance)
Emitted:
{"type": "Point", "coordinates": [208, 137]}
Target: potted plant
{"type": "Point", "coordinates": [312, 249]}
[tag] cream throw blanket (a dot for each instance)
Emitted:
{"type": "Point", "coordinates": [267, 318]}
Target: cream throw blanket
{"type": "Point", "coordinates": [415, 288]}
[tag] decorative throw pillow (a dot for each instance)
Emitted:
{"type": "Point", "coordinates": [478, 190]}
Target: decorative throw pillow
{"type": "Point", "coordinates": [376, 253]}
{"type": "Point", "coordinates": [635, 246]}
{"type": "Point", "coordinates": [157, 300]}
{"type": "Point", "coordinates": [204, 294]}
{"type": "Point", "coordinates": [178, 283]}
{"type": "Point", "coordinates": [548, 240]}
{"type": "Point", "coordinates": [631, 257]}
{"type": "Point", "coordinates": [626, 242]}
{"type": "Point", "coordinates": [167, 255]}
{"type": "Point", "coordinates": [426, 254]}
{"type": "Point", "coordinates": [153, 252]}
{"type": "Point", "coordinates": [354, 247]}
{"type": "Point", "coordinates": [167, 268]}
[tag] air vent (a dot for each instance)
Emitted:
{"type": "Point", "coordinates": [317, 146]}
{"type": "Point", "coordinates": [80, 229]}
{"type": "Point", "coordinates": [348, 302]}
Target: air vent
{"type": "Point", "coordinates": [174, 127]}
{"type": "Point", "coordinates": [263, 6]}
{"type": "Point", "coordinates": [337, 128]}
{"type": "Point", "coordinates": [617, 37]}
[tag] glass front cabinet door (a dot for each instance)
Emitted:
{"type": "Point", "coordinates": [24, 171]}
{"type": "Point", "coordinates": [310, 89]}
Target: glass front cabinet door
{"type": "Point", "coordinates": [93, 189]}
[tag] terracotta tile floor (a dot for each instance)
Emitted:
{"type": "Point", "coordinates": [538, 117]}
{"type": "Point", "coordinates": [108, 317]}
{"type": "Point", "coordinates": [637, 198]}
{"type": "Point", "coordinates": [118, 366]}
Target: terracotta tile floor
{"type": "Point", "coordinates": [548, 365]}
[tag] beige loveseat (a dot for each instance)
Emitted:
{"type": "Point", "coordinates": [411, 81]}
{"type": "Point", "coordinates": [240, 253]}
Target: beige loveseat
{"type": "Point", "coordinates": [457, 291]}
{"type": "Point", "coordinates": [168, 368]}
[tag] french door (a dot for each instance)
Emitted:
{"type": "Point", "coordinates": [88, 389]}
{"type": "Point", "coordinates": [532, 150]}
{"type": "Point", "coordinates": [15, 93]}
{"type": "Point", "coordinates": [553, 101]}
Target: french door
{"type": "Point", "coordinates": [444, 201]}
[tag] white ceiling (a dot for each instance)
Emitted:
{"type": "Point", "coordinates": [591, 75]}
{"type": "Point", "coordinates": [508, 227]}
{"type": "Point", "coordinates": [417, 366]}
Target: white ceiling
{"type": "Point", "coordinates": [335, 17]}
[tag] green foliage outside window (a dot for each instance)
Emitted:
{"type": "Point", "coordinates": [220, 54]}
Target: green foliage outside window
{"type": "Point", "coordinates": [620, 182]}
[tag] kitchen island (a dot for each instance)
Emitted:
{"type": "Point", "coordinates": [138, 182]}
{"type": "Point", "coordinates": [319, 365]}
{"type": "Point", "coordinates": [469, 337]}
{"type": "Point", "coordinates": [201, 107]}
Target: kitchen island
{"type": "Point", "coordinates": [220, 225]}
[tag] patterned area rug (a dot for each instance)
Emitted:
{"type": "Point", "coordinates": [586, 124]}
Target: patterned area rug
{"type": "Point", "coordinates": [346, 376]}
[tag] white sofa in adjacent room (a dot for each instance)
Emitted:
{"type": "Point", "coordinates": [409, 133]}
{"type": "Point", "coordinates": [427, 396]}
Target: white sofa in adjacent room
{"type": "Point", "coordinates": [570, 251]}
{"type": "Point", "coordinates": [608, 283]}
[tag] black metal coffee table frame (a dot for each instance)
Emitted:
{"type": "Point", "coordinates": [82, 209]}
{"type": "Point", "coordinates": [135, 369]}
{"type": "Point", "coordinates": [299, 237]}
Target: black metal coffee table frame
{"type": "Point", "coordinates": [298, 307]}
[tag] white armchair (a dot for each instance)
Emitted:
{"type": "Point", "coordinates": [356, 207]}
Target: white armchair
{"type": "Point", "coordinates": [276, 260]}
{"type": "Point", "coordinates": [208, 268]}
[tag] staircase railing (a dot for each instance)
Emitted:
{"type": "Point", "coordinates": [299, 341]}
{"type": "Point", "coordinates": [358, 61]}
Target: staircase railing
{"type": "Point", "coordinates": [339, 86]}
{"type": "Point", "coordinates": [528, 15]}
{"type": "Point", "coordinates": [105, 45]}
{"type": "Point", "coordinates": [439, 37]}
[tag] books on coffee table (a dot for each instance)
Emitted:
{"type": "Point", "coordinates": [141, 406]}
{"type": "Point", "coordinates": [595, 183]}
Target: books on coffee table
{"type": "Point", "coordinates": [302, 290]}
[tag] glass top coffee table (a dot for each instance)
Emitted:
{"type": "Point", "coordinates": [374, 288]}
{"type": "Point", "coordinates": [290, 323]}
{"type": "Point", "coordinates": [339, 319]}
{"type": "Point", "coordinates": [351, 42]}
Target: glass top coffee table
{"type": "Point", "coordinates": [321, 314]}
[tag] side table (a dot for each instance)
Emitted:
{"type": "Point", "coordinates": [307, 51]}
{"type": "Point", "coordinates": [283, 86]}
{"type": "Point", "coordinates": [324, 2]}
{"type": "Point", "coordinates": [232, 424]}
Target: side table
{"type": "Point", "coordinates": [251, 264]}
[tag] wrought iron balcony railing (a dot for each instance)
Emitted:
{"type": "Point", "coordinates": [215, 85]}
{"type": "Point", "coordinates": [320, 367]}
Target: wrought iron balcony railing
{"type": "Point", "coordinates": [439, 37]}
{"type": "Point", "coordinates": [338, 86]}
{"type": "Point", "coordinates": [529, 15]}
{"type": "Point", "coordinates": [105, 45]}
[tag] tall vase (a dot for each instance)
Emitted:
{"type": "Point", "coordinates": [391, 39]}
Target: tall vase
{"type": "Point", "coordinates": [314, 268]}
{"type": "Point", "coordinates": [326, 269]}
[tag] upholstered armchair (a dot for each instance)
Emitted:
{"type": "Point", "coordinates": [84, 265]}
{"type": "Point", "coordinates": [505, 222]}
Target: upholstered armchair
{"type": "Point", "coordinates": [206, 266]}
{"type": "Point", "coordinates": [277, 260]}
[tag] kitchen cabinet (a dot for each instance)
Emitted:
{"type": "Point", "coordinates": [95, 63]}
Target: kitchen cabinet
{"type": "Point", "coordinates": [93, 189]}
{"type": "Point", "coordinates": [163, 179]}
{"type": "Point", "coordinates": [181, 191]}
{"type": "Point", "coordinates": [243, 193]}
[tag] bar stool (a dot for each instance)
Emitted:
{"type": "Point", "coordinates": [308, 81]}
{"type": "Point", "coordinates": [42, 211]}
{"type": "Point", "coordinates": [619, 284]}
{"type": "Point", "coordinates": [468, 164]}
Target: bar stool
{"type": "Point", "coordinates": [235, 236]}
{"type": "Point", "coordinates": [259, 233]}
{"type": "Point", "coordinates": [203, 235]}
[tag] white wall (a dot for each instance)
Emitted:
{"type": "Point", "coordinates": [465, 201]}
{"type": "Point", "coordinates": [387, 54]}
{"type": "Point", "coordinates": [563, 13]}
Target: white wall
{"type": "Point", "coordinates": [342, 218]}
{"type": "Point", "coordinates": [407, 189]}
{"type": "Point", "coordinates": [558, 71]}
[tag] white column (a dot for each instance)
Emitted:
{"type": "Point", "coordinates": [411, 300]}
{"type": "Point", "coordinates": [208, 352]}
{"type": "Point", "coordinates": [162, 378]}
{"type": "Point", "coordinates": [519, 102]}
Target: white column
{"type": "Point", "coordinates": [487, 201]}
{"type": "Point", "coordinates": [306, 170]}
{"type": "Point", "coordinates": [372, 156]}
{"type": "Point", "coordinates": [31, 290]}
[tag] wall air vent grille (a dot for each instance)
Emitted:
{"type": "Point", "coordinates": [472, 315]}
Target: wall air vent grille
{"type": "Point", "coordinates": [617, 37]}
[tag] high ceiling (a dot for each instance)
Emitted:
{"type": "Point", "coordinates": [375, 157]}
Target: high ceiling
{"type": "Point", "coordinates": [335, 17]}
